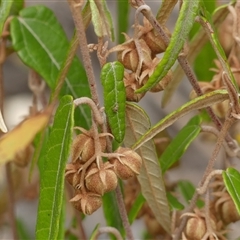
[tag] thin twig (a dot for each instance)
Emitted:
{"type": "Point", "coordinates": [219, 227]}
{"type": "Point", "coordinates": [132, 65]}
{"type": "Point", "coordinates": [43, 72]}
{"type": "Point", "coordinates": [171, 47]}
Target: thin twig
{"type": "Point", "coordinates": [75, 7]}
{"type": "Point", "coordinates": [123, 213]}
{"type": "Point", "coordinates": [111, 230]}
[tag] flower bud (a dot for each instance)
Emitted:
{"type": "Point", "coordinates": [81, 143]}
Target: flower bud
{"type": "Point", "coordinates": [128, 165]}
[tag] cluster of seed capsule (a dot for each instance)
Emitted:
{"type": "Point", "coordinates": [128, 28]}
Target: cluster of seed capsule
{"type": "Point", "coordinates": [90, 177]}
{"type": "Point", "coordinates": [222, 212]}
{"type": "Point", "coordinates": [139, 57]}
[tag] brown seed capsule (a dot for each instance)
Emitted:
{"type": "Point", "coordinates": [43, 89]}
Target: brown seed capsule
{"type": "Point", "coordinates": [195, 228]}
{"type": "Point", "coordinates": [83, 147]}
{"type": "Point", "coordinates": [131, 85]}
{"type": "Point", "coordinates": [155, 42]}
{"type": "Point", "coordinates": [86, 203]}
{"type": "Point", "coordinates": [228, 212]}
{"type": "Point", "coordinates": [129, 165]}
{"type": "Point", "coordinates": [101, 180]}
{"type": "Point", "coordinates": [130, 56]}
{"type": "Point", "coordinates": [72, 175]}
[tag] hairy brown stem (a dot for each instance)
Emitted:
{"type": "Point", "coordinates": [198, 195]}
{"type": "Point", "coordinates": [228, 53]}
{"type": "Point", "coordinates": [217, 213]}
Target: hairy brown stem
{"type": "Point", "coordinates": [11, 201]}
{"type": "Point", "coordinates": [111, 230]}
{"type": "Point", "coordinates": [123, 213]}
{"type": "Point", "coordinates": [75, 7]}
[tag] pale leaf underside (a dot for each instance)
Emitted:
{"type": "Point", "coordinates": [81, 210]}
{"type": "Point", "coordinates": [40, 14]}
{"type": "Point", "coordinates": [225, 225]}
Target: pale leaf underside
{"type": "Point", "coordinates": [150, 177]}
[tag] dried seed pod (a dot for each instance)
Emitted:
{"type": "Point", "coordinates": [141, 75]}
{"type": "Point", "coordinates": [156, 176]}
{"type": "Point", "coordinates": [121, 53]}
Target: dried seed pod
{"type": "Point", "coordinates": [228, 211]}
{"type": "Point", "coordinates": [195, 228]}
{"type": "Point", "coordinates": [128, 165]}
{"type": "Point", "coordinates": [130, 56]}
{"type": "Point", "coordinates": [131, 85]}
{"type": "Point", "coordinates": [72, 174]}
{"type": "Point", "coordinates": [86, 203]}
{"type": "Point", "coordinates": [101, 180]}
{"type": "Point", "coordinates": [83, 147]}
{"type": "Point", "coordinates": [155, 42]}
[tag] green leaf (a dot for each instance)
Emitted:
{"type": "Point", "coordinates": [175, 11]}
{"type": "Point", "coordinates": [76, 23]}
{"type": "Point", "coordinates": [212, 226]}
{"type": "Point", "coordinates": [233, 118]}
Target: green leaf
{"type": "Point", "coordinates": [111, 213]}
{"type": "Point", "coordinates": [207, 23]}
{"type": "Point", "coordinates": [136, 207]}
{"type": "Point", "coordinates": [94, 232]}
{"type": "Point", "coordinates": [22, 230]}
{"type": "Point", "coordinates": [187, 189]}
{"type": "Point", "coordinates": [52, 177]}
{"type": "Point", "coordinates": [173, 202]}
{"type": "Point", "coordinates": [114, 98]}
{"type": "Point", "coordinates": [16, 7]}
{"type": "Point", "coordinates": [101, 19]}
{"type": "Point", "coordinates": [194, 48]}
{"type": "Point", "coordinates": [41, 43]}
{"type": "Point", "coordinates": [150, 177]}
{"type": "Point", "coordinates": [180, 143]}
{"type": "Point", "coordinates": [123, 10]}
{"type": "Point", "coordinates": [231, 179]}
{"type": "Point", "coordinates": [183, 26]}
{"type": "Point", "coordinates": [201, 102]}
{"type": "Point", "coordinates": [4, 12]}
{"type": "Point", "coordinates": [203, 62]}
{"type": "Point", "coordinates": [165, 11]}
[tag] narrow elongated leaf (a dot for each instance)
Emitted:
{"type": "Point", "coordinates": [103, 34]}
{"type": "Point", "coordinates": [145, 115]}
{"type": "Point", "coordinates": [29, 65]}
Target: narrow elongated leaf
{"type": "Point", "coordinates": [111, 212]}
{"type": "Point", "coordinates": [94, 232]}
{"type": "Point", "coordinates": [165, 10]}
{"type": "Point", "coordinates": [16, 7]}
{"type": "Point", "coordinates": [206, 19]}
{"type": "Point", "coordinates": [201, 102]}
{"type": "Point", "coordinates": [180, 143]}
{"type": "Point", "coordinates": [150, 177]}
{"type": "Point", "coordinates": [114, 98]}
{"type": "Point", "coordinates": [41, 43]}
{"type": "Point", "coordinates": [174, 203]}
{"type": "Point", "coordinates": [22, 135]}
{"type": "Point", "coordinates": [123, 10]}
{"type": "Point", "coordinates": [52, 180]}
{"type": "Point", "coordinates": [101, 19]}
{"type": "Point", "coordinates": [136, 207]}
{"type": "Point", "coordinates": [231, 179]}
{"type": "Point", "coordinates": [5, 6]}
{"type": "Point", "coordinates": [187, 189]}
{"type": "Point", "coordinates": [194, 48]}
{"type": "Point", "coordinates": [183, 26]}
